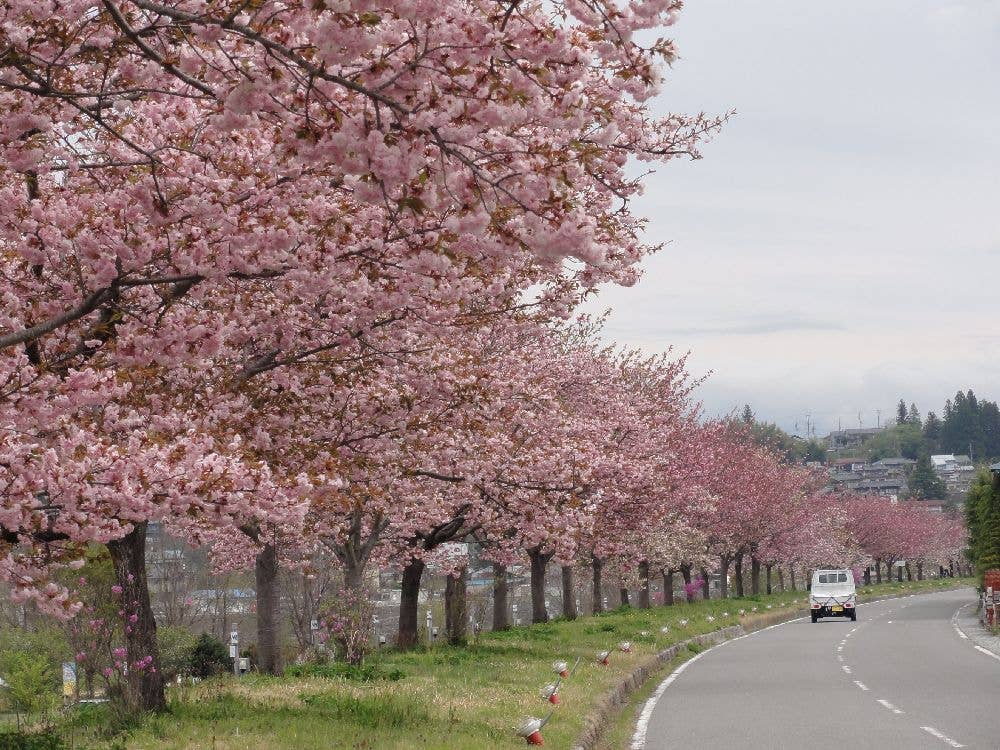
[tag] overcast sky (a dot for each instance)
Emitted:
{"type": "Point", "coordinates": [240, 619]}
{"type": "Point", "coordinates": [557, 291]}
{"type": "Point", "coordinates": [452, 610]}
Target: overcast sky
{"type": "Point", "coordinates": [838, 247]}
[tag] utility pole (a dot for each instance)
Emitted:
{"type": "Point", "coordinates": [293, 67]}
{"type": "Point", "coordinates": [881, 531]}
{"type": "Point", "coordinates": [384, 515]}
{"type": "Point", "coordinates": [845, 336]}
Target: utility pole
{"type": "Point", "coordinates": [878, 421]}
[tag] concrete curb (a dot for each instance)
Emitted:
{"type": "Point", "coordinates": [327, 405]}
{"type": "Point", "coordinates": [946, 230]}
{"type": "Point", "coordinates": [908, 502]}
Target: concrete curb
{"type": "Point", "coordinates": [605, 710]}
{"type": "Point", "coordinates": [969, 626]}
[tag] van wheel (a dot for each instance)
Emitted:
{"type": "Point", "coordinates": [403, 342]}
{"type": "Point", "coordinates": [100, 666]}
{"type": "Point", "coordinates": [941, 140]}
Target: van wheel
{"type": "Point", "coordinates": [854, 616]}
{"type": "Point", "coordinates": [814, 616]}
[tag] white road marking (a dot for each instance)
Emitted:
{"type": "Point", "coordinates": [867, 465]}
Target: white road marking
{"type": "Point", "coordinates": [846, 668]}
{"type": "Point", "coordinates": [954, 622]}
{"type": "Point", "coordinates": [947, 740]}
{"type": "Point", "coordinates": [861, 685]}
{"type": "Point", "coordinates": [888, 622]}
{"type": "Point", "coordinates": [891, 707]}
{"type": "Point", "coordinates": [839, 657]}
{"type": "Point", "coordinates": [642, 725]}
{"type": "Point", "coordinates": [639, 738]}
{"type": "Point", "coordinates": [988, 652]}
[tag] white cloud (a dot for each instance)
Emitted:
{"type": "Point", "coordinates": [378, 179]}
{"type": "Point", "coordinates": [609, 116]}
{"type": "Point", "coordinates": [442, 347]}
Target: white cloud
{"type": "Point", "coordinates": [839, 245]}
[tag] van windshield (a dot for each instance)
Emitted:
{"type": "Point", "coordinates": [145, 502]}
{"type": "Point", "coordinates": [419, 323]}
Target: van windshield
{"type": "Point", "coordinates": [832, 578]}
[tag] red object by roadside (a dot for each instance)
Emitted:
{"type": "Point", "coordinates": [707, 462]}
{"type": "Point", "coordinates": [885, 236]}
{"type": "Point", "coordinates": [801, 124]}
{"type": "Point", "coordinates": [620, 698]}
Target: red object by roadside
{"type": "Point", "coordinates": [992, 580]}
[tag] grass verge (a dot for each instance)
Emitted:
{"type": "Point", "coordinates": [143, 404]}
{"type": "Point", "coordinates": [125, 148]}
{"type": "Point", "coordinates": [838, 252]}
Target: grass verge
{"type": "Point", "coordinates": [441, 698]}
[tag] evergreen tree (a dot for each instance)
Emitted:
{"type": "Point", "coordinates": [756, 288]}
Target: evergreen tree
{"type": "Point", "coordinates": [989, 421]}
{"type": "Point", "coordinates": [901, 412]}
{"type": "Point", "coordinates": [961, 425]}
{"type": "Point", "coordinates": [924, 482]}
{"type": "Point", "coordinates": [932, 432]}
{"type": "Point", "coordinates": [913, 416]}
{"type": "Point", "coordinates": [990, 559]}
{"type": "Point", "coordinates": [814, 452]}
{"type": "Point", "coordinates": [982, 519]}
{"type": "Point", "coordinates": [748, 415]}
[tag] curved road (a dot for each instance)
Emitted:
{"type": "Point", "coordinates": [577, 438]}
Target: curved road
{"type": "Point", "coordinates": [899, 677]}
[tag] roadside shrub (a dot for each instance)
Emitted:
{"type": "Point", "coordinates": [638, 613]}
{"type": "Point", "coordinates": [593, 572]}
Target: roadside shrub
{"type": "Point", "coordinates": [209, 657]}
{"type": "Point", "coordinates": [346, 622]}
{"type": "Point", "coordinates": [30, 683]}
{"type": "Point", "coordinates": [30, 741]}
{"type": "Point", "coordinates": [176, 650]}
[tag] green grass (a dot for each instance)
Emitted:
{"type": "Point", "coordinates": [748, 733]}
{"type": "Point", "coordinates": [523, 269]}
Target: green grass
{"type": "Point", "coordinates": [442, 698]}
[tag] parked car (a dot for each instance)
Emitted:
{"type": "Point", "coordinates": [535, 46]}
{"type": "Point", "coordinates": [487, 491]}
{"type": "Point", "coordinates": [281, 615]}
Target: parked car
{"type": "Point", "coordinates": [832, 594]}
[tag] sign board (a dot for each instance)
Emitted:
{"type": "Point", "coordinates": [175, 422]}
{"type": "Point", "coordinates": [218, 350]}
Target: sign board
{"type": "Point", "coordinates": [69, 678]}
{"type": "Point", "coordinates": [234, 638]}
{"type": "Point", "coordinates": [314, 624]}
{"type": "Point", "coordinates": [244, 664]}
{"type": "Point", "coordinates": [232, 651]}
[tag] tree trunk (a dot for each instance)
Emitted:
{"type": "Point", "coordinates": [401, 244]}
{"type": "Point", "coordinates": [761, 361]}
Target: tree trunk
{"type": "Point", "coordinates": [920, 571]}
{"type": "Point", "coordinates": [456, 610]}
{"type": "Point", "coordinates": [668, 588]}
{"type": "Point", "coordinates": [568, 593]}
{"type": "Point", "coordinates": [909, 572]}
{"type": "Point", "coordinates": [706, 585]}
{"type": "Point", "coordinates": [767, 578]}
{"type": "Point", "coordinates": [597, 604]}
{"type": "Point", "coordinates": [644, 585]}
{"type": "Point", "coordinates": [500, 589]}
{"type": "Point", "coordinates": [754, 576]}
{"type": "Point", "coordinates": [353, 576]}
{"type": "Point", "coordinates": [868, 575]}
{"type": "Point", "coordinates": [538, 564]}
{"type": "Point", "coordinates": [268, 615]}
{"type": "Point", "coordinates": [144, 687]}
{"type": "Point", "coordinates": [951, 568]}
{"type": "Point", "coordinates": [407, 636]}
{"type": "Point", "coordinates": [724, 576]}
{"type": "Point", "coordinates": [878, 571]}
{"type": "Point", "coordinates": [623, 596]}
{"type": "Point", "coordinates": [738, 576]}
{"type": "Point", "coordinates": [791, 576]}
{"type": "Point", "coordinates": [686, 576]}
{"type": "Point", "coordinates": [781, 579]}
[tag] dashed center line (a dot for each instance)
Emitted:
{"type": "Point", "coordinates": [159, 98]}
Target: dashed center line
{"type": "Point", "coordinates": [846, 668]}
{"type": "Point", "coordinates": [944, 738]}
{"type": "Point", "coordinates": [861, 685]}
{"type": "Point", "coordinates": [889, 706]}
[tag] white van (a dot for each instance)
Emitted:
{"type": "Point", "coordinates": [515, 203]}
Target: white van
{"type": "Point", "coordinates": [832, 594]}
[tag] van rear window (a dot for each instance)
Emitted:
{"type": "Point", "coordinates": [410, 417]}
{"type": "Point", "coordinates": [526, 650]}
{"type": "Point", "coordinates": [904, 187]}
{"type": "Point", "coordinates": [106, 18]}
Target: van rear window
{"type": "Point", "coordinates": [833, 577]}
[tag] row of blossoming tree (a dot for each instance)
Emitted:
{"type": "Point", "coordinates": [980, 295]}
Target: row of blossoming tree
{"type": "Point", "coordinates": [296, 276]}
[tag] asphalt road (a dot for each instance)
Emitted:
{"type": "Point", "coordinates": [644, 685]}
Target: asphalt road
{"type": "Point", "coordinates": [899, 677]}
